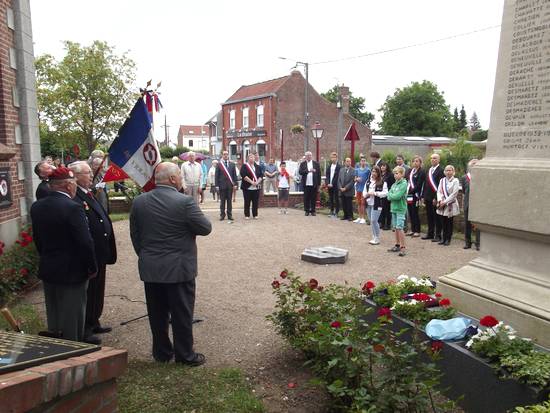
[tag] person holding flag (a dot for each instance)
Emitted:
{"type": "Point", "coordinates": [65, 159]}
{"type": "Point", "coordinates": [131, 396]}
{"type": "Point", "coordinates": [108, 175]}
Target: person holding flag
{"type": "Point", "coordinates": [225, 180]}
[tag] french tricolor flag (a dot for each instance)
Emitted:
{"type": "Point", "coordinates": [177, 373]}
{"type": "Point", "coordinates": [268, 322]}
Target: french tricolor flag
{"type": "Point", "coordinates": [134, 153]}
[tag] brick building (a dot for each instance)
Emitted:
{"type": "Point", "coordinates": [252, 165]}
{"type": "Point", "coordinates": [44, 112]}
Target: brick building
{"type": "Point", "coordinates": [194, 137]}
{"type": "Point", "coordinates": [19, 138]}
{"type": "Point", "coordinates": [255, 116]}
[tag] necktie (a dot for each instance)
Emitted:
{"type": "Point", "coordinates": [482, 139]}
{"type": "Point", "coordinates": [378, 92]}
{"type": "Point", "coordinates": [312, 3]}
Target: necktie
{"type": "Point", "coordinates": [226, 164]}
{"type": "Point", "coordinates": [89, 193]}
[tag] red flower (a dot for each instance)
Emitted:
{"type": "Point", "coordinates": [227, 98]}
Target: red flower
{"type": "Point", "coordinates": [275, 284]}
{"type": "Point", "coordinates": [313, 283]}
{"type": "Point", "coordinates": [488, 321]}
{"type": "Point", "coordinates": [437, 346]}
{"type": "Point", "coordinates": [438, 295]}
{"type": "Point", "coordinates": [378, 348]}
{"type": "Point", "coordinates": [1, 251]}
{"type": "Point", "coordinates": [368, 287]}
{"type": "Point", "coordinates": [384, 312]}
{"type": "Point", "coordinates": [284, 274]}
{"type": "Point", "coordinates": [349, 349]}
{"type": "Point", "coordinates": [336, 324]}
{"type": "Point", "coordinates": [24, 272]}
{"type": "Point", "coordinates": [421, 297]}
{"type": "Point", "coordinates": [291, 385]}
{"type": "Point", "coordinates": [320, 288]}
{"type": "Point", "coordinates": [445, 302]}
{"type": "Point", "coordinates": [2, 245]}
{"type": "Point", "coordinates": [24, 234]}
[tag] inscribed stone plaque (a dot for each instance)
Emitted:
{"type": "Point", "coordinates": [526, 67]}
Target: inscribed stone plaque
{"type": "Point", "coordinates": [20, 351]}
{"type": "Point", "coordinates": [520, 117]}
{"type": "Point", "coordinates": [325, 255]}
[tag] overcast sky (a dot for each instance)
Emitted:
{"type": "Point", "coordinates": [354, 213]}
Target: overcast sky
{"type": "Point", "coordinates": [203, 51]}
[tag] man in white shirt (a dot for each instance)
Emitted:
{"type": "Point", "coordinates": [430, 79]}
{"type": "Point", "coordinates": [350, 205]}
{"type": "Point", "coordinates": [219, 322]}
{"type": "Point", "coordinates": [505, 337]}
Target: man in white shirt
{"type": "Point", "coordinates": [191, 172]}
{"type": "Point", "coordinates": [331, 180]}
{"type": "Point", "coordinates": [311, 180]}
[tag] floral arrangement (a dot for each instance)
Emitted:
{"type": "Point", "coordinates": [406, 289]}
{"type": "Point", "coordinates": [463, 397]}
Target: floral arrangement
{"type": "Point", "coordinates": [515, 356]}
{"type": "Point", "coordinates": [18, 265]}
{"type": "Point", "coordinates": [365, 366]}
{"type": "Point", "coordinates": [412, 298]}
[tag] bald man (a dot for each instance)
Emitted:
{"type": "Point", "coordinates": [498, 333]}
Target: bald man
{"type": "Point", "coordinates": [163, 226]}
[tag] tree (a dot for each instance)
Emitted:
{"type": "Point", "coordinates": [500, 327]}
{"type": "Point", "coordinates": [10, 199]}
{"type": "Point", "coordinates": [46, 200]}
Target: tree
{"type": "Point", "coordinates": [356, 105]}
{"type": "Point", "coordinates": [479, 135]}
{"type": "Point", "coordinates": [416, 110]}
{"type": "Point", "coordinates": [456, 121]}
{"type": "Point", "coordinates": [87, 93]}
{"type": "Point", "coordinates": [474, 123]}
{"type": "Point", "coordinates": [462, 122]}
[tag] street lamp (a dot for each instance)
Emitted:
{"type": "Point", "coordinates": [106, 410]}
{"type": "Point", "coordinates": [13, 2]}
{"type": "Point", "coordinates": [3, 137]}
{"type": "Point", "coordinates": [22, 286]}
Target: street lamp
{"type": "Point", "coordinates": [306, 101]}
{"type": "Point", "coordinates": [317, 133]}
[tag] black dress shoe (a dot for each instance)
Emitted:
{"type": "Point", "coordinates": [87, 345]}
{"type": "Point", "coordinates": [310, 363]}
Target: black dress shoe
{"type": "Point", "coordinates": [447, 243]}
{"type": "Point", "coordinates": [477, 247]}
{"type": "Point", "coordinates": [441, 242]}
{"type": "Point", "coordinates": [102, 330]}
{"type": "Point", "coordinates": [307, 214]}
{"type": "Point", "coordinates": [313, 214]}
{"type": "Point", "coordinates": [426, 237]}
{"type": "Point", "coordinates": [197, 360]}
{"type": "Point", "coordinates": [92, 340]}
{"type": "Point", "coordinates": [222, 218]}
{"type": "Point", "coordinates": [467, 246]}
{"type": "Point", "coordinates": [436, 239]}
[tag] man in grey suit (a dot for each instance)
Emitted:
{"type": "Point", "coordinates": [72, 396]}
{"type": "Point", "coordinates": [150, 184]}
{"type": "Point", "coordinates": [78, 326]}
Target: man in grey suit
{"type": "Point", "coordinates": [163, 226]}
{"type": "Point", "coordinates": [346, 184]}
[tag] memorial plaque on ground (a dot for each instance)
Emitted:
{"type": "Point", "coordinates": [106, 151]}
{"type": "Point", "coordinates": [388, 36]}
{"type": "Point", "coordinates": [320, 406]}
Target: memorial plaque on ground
{"type": "Point", "coordinates": [325, 255]}
{"type": "Point", "coordinates": [19, 351]}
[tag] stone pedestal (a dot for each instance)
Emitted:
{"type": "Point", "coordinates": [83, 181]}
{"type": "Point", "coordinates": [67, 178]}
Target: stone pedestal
{"type": "Point", "coordinates": [510, 188]}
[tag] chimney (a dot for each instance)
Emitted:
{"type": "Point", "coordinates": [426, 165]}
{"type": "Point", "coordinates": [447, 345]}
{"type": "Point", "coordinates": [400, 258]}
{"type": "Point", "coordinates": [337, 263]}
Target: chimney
{"type": "Point", "coordinates": [344, 94]}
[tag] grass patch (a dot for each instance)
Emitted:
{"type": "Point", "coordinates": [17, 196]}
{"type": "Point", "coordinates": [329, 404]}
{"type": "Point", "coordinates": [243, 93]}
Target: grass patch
{"type": "Point", "coordinates": [30, 321]}
{"type": "Point", "coordinates": [155, 387]}
{"type": "Point", "coordinates": [119, 217]}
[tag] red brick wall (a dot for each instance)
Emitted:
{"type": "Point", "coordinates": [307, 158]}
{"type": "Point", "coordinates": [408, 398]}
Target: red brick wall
{"type": "Point", "coordinates": [9, 116]}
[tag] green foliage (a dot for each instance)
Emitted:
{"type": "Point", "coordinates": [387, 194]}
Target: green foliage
{"type": "Point", "coordinates": [165, 388]}
{"type": "Point", "coordinates": [18, 266]}
{"type": "Point", "coordinates": [364, 366]}
{"type": "Point", "coordinates": [86, 94]}
{"type": "Point", "coordinates": [389, 156]}
{"type": "Point", "coordinates": [462, 122]}
{"type": "Point", "coordinates": [532, 368]}
{"type": "Point", "coordinates": [479, 135]}
{"type": "Point", "coordinates": [356, 105]}
{"type": "Point", "coordinates": [474, 123]}
{"type": "Point", "coordinates": [297, 129]}
{"type": "Point", "coordinates": [544, 407]}
{"type": "Point", "coordinates": [456, 121]}
{"type": "Point", "coordinates": [416, 110]}
{"type": "Point", "coordinates": [458, 155]}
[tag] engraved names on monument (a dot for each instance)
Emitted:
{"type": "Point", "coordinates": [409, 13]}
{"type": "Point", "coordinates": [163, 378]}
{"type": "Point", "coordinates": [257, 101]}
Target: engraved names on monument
{"type": "Point", "coordinates": [522, 126]}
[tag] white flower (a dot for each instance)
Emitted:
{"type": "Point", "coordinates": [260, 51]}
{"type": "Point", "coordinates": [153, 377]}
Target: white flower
{"type": "Point", "coordinates": [402, 277]}
{"type": "Point", "coordinates": [414, 280]}
{"type": "Point", "coordinates": [512, 337]}
{"type": "Point", "coordinates": [484, 338]}
{"type": "Point", "coordinates": [469, 343]}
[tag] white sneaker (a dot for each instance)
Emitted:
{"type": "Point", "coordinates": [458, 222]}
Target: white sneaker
{"type": "Point", "coordinates": [374, 241]}
{"type": "Point", "coordinates": [357, 221]}
{"type": "Point", "coordinates": [247, 218]}
{"type": "Point", "coordinates": [286, 212]}
{"type": "Point", "coordinates": [280, 211]}
{"type": "Point", "coordinates": [362, 221]}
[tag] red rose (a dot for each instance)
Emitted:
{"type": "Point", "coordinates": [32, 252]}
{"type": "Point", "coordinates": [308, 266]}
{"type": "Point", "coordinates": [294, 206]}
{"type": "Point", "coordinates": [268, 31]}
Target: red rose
{"type": "Point", "coordinates": [384, 312]}
{"type": "Point", "coordinates": [336, 324]}
{"type": "Point", "coordinates": [24, 234]}
{"type": "Point", "coordinates": [313, 283]}
{"type": "Point", "coordinates": [349, 349]}
{"type": "Point", "coordinates": [284, 274]}
{"type": "Point", "coordinates": [24, 272]}
{"type": "Point", "coordinates": [378, 348]}
{"type": "Point", "coordinates": [488, 321]}
{"type": "Point", "coordinates": [320, 288]}
{"type": "Point", "coordinates": [445, 302]}
{"type": "Point", "coordinates": [275, 284]}
{"type": "Point", "coordinates": [421, 297]}
{"type": "Point", "coordinates": [438, 295]}
{"type": "Point", "coordinates": [368, 286]}
{"type": "Point", "coordinates": [437, 346]}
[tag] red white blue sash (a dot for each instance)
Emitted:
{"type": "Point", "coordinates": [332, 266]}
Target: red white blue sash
{"type": "Point", "coordinates": [251, 170]}
{"type": "Point", "coordinates": [468, 177]}
{"type": "Point", "coordinates": [411, 181]}
{"type": "Point", "coordinates": [445, 190]}
{"type": "Point", "coordinates": [226, 172]}
{"type": "Point", "coordinates": [431, 180]}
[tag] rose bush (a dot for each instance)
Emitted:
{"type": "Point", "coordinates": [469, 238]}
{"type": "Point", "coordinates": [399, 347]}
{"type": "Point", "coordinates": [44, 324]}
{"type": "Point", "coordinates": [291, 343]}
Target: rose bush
{"type": "Point", "coordinates": [18, 265]}
{"type": "Point", "coordinates": [364, 366]}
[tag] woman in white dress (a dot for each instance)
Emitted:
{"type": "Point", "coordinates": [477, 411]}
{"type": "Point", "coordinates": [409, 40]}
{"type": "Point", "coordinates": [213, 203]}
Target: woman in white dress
{"type": "Point", "coordinates": [447, 204]}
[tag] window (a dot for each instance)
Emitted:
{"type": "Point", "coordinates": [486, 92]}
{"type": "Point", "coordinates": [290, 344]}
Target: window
{"type": "Point", "coordinates": [190, 143]}
{"type": "Point", "coordinates": [233, 150]}
{"type": "Point", "coordinates": [245, 118]}
{"type": "Point", "coordinates": [232, 119]}
{"type": "Point", "coordinates": [260, 115]}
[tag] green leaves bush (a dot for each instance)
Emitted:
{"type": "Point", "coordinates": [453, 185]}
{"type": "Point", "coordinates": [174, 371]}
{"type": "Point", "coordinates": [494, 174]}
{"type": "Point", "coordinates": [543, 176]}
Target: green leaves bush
{"type": "Point", "coordinates": [365, 366]}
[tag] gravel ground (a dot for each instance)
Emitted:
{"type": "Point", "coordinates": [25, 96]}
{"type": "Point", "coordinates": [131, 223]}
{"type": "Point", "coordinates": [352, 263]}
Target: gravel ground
{"type": "Point", "coordinates": [237, 263]}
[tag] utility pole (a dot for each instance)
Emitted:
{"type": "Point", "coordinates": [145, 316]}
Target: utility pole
{"type": "Point", "coordinates": [306, 109]}
{"type": "Point", "coordinates": [166, 134]}
{"type": "Point", "coordinates": [340, 127]}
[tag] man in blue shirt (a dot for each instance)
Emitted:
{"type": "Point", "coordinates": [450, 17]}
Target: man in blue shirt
{"type": "Point", "coordinates": [362, 177]}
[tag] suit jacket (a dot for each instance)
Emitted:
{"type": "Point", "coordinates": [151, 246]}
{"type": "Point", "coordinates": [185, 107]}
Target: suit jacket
{"type": "Point", "coordinates": [418, 179]}
{"type": "Point", "coordinates": [63, 240]}
{"type": "Point", "coordinates": [428, 193]}
{"type": "Point", "coordinates": [316, 175]}
{"type": "Point", "coordinates": [346, 180]}
{"type": "Point", "coordinates": [163, 226]}
{"type": "Point", "coordinates": [220, 179]}
{"type": "Point", "coordinates": [334, 182]}
{"type": "Point", "coordinates": [43, 190]}
{"type": "Point", "coordinates": [245, 172]}
{"type": "Point", "coordinates": [465, 183]}
{"type": "Point", "coordinates": [101, 228]}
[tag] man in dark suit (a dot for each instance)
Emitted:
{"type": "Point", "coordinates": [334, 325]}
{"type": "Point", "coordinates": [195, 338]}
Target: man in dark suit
{"type": "Point", "coordinates": [43, 169]}
{"type": "Point", "coordinates": [331, 180]}
{"type": "Point", "coordinates": [310, 173]}
{"type": "Point", "coordinates": [346, 183]}
{"type": "Point", "coordinates": [465, 182]}
{"type": "Point", "coordinates": [101, 229]}
{"type": "Point", "coordinates": [226, 182]}
{"type": "Point", "coordinates": [163, 226]}
{"type": "Point", "coordinates": [429, 195]}
{"type": "Point", "coordinates": [67, 256]}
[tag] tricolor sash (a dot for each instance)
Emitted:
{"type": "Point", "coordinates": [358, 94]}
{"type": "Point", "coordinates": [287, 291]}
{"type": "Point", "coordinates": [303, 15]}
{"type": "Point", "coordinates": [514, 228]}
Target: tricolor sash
{"type": "Point", "coordinates": [251, 170]}
{"type": "Point", "coordinates": [468, 177]}
{"type": "Point", "coordinates": [431, 180]}
{"type": "Point", "coordinates": [446, 190]}
{"type": "Point", "coordinates": [411, 181]}
{"type": "Point", "coordinates": [227, 174]}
